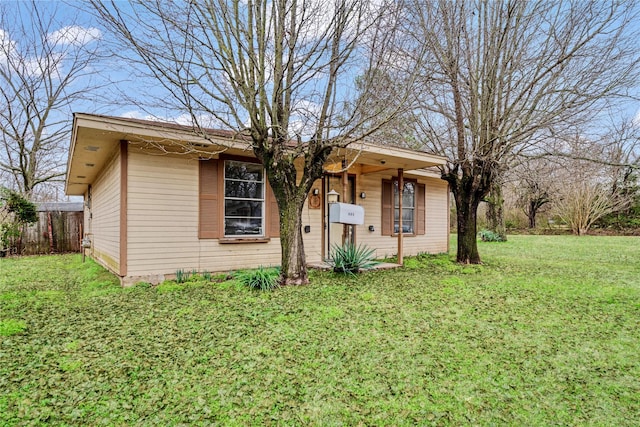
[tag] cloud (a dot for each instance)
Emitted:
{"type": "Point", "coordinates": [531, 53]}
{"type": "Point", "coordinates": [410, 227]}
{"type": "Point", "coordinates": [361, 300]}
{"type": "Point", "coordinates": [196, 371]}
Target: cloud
{"type": "Point", "coordinates": [74, 35]}
{"type": "Point", "coordinates": [204, 120]}
{"type": "Point", "coordinates": [636, 119]}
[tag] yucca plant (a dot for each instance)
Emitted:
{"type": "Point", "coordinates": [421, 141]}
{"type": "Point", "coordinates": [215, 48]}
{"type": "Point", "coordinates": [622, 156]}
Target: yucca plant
{"type": "Point", "coordinates": [350, 259]}
{"type": "Point", "coordinates": [262, 278]}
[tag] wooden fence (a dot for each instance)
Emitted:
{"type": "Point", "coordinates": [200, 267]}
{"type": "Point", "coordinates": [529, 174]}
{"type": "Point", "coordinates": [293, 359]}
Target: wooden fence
{"type": "Point", "coordinates": [55, 232]}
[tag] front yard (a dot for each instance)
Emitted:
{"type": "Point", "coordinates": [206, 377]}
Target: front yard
{"type": "Point", "coordinates": [546, 332]}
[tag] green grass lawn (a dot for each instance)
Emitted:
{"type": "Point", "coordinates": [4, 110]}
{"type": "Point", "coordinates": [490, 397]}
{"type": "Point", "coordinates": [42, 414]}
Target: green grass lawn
{"type": "Point", "coordinates": [547, 332]}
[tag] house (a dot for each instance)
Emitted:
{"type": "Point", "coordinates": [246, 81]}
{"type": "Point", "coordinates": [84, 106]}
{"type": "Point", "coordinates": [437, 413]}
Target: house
{"type": "Point", "coordinates": [159, 198]}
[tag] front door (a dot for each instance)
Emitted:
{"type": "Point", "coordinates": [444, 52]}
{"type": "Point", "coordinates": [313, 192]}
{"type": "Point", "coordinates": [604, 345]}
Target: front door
{"type": "Point", "coordinates": [338, 234]}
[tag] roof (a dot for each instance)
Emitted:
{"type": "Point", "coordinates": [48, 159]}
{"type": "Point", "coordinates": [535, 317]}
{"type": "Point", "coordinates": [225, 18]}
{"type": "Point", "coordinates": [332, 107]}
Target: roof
{"type": "Point", "coordinates": [60, 207]}
{"type": "Point", "coordinates": [94, 139]}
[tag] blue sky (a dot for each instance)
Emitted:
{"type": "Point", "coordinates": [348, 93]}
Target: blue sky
{"type": "Point", "coordinates": [119, 79]}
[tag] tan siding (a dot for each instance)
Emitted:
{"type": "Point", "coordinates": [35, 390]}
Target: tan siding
{"type": "Point", "coordinates": [235, 256]}
{"type": "Point", "coordinates": [162, 214]}
{"type": "Point", "coordinates": [163, 223]}
{"type": "Point", "coordinates": [313, 240]}
{"type": "Point", "coordinates": [104, 221]}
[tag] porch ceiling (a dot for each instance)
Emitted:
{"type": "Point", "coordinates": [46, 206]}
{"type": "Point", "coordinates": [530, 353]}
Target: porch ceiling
{"type": "Point", "coordinates": [377, 158]}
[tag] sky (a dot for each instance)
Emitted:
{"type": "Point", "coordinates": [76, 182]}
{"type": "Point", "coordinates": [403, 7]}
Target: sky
{"type": "Point", "coordinates": [79, 25]}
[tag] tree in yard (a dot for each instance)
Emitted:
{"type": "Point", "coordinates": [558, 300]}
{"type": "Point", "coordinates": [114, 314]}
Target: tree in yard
{"type": "Point", "coordinates": [281, 72]}
{"type": "Point", "coordinates": [586, 194]}
{"type": "Point", "coordinates": [500, 77]}
{"type": "Point", "coordinates": [43, 70]}
{"type": "Point", "coordinates": [535, 184]}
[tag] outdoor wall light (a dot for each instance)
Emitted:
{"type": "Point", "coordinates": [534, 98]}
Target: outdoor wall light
{"type": "Point", "coordinates": [363, 195]}
{"type": "Point", "coordinates": [333, 196]}
{"type": "Point", "coordinates": [307, 229]}
{"type": "Point", "coordinates": [372, 228]}
{"type": "Point", "coordinates": [316, 191]}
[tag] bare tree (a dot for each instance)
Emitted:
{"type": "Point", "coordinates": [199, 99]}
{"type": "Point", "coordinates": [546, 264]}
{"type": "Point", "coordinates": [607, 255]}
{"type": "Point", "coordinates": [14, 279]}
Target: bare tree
{"type": "Point", "coordinates": [281, 72]}
{"type": "Point", "coordinates": [502, 76]}
{"type": "Point", "coordinates": [43, 70]}
{"type": "Point", "coordinates": [587, 194]}
{"type": "Point", "coordinates": [534, 184]}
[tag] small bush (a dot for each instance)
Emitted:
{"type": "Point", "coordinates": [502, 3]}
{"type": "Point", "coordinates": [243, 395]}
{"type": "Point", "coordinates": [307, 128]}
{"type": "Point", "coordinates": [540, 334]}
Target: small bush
{"type": "Point", "coordinates": [350, 259]}
{"type": "Point", "coordinates": [262, 278]}
{"type": "Point", "coordinates": [206, 275]}
{"type": "Point", "coordinates": [490, 236]}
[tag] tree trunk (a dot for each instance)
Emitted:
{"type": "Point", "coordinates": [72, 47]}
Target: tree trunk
{"type": "Point", "coordinates": [531, 214]}
{"type": "Point", "coordinates": [467, 211]}
{"type": "Point", "coordinates": [495, 212]}
{"type": "Point", "coordinates": [294, 268]}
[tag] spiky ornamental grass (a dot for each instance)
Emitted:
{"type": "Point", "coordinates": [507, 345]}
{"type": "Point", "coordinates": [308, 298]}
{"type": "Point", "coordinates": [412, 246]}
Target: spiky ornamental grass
{"type": "Point", "coordinates": [261, 278]}
{"type": "Point", "coordinates": [350, 259]}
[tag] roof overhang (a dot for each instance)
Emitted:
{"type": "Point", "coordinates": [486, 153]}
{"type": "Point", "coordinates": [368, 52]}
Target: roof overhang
{"type": "Point", "coordinates": [95, 138]}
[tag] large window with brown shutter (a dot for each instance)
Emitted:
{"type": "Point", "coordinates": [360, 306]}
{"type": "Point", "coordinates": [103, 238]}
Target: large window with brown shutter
{"type": "Point", "coordinates": [413, 208]}
{"type": "Point", "coordinates": [236, 202]}
{"type": "Point", "coordinates": [244, 198]}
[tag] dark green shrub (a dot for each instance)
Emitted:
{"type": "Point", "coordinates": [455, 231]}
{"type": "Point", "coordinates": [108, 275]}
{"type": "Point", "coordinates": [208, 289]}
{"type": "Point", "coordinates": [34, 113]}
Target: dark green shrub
{"type": "Point", "coordinates": [15, 211]}
{"type": "Point", "coordinates": [490, 236]}
{"type": "Point", "coordinates": [262, 278]}
{"type": "Point", "coordinates": [350, 259]}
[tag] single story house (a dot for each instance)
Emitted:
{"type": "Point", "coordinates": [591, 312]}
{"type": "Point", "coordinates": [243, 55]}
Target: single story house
{"type": "Point", "coordinates": [159, 198]}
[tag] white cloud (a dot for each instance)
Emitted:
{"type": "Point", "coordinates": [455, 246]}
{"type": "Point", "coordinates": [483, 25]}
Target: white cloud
{"type": "Point", "coordinates": [636, 119]}
{"type": "Point", "coordinates": [204, 120]}
{"type": "Point", "coordinates": [74, 35]}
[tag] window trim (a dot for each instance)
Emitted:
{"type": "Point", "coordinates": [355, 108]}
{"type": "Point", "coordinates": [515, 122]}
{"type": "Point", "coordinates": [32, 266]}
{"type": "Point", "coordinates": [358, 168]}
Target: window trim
{"type": "Point", "coordinates": [414, 181]}
{"type": "Point", "coordinates": [211, 203]}
{"type": "Point", "coordinates": [387, 204]}
{"type": "Point", "coordinates": [263, 220]}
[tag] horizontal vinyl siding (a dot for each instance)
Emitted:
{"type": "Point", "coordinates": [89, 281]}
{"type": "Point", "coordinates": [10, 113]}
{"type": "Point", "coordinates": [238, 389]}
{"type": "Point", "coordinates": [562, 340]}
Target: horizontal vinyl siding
{"type": "Point", "coordinates": [163, 223]}
{"type": "Point", "coordinates": [235, 256]}
{"type": "Point", "coordinates": [104, 222]}
{"type": "Point", "coordinates": [162, 215]}
{"type": "Point", "coordinates": [313, 240]}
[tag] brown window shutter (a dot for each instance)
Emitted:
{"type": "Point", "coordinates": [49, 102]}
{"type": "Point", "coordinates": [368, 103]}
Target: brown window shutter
{"type": "Point", "coordinates": [273, 214]}
{"type": "Point", "coordinates": [209, 206]}
{"type": "Point", "coordinates": [420, 210]}
{"type": "Point", "coordinates": [387, 207]}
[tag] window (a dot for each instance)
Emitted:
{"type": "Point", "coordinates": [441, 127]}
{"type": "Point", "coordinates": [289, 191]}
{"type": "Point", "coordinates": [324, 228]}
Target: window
{"type": "Point", "coordinates": [408, 207]}
{"type": "Point", "coordinates": [244, 197]}
{"type": "Point", "coordinates": [413, 208]}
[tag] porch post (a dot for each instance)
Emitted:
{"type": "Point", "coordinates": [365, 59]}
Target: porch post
{"type": "Point", "coordinates": [400, 193]}
{"type": "Point", "coordinates": [345, 189]}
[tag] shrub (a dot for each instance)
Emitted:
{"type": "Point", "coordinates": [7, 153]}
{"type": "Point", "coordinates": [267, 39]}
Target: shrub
{"type": "Point", "coordinates": [15, 211]}
{"type": "Point", "coordinates": [262, 278]}
{"type": "Point", "coordinates": [490, 236]}
{"type": "Point", "coordinates": [350, 259]}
